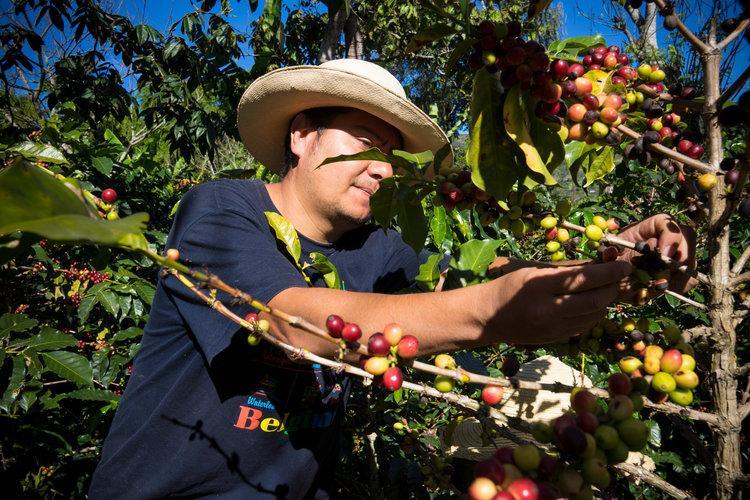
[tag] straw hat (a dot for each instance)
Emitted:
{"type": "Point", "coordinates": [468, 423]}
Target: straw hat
{"type": "Point", "coordinates": [270, 103]}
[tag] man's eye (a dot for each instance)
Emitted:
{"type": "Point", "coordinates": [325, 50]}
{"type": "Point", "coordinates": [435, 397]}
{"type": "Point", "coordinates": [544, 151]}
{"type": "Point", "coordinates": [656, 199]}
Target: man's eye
{"type": "Point", "coordinates": [367, 142]}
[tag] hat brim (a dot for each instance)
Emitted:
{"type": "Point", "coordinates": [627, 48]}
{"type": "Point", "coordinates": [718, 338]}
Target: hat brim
{"type": "Point", "coordinates": [269, 104]}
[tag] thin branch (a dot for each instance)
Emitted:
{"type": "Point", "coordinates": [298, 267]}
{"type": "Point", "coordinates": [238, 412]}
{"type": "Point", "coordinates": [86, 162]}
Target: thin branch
{"type": "Point", "coordinates": [671, 153]}
{"type": "Point", "coordinates": [741, 370]}
{"type": "Point", "coordinates": [740, 263]}
{"type": "Point", "coordinates": [732, 89]}
{"type": "Point", "coordinates": [673, 264]}
{"type": "Point", "coordinates": [667, 97]}
{"type": "Point", "coordinates": [649, 477]}
{"type": "Point", "coordinates": [689, 35]}
{"type": "Point", "coordinates": [734, 34]}
{"type": "Point", "coordinates": [744, 411]}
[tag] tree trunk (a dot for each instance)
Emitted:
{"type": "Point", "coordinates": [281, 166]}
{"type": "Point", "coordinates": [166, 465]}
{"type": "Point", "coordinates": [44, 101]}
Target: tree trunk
{"type": "Point", "coordinates": [649, 43]}
{"type": "Point", "coordinates": [723, 382]}
{"type": "Point", "coordinates": [353, 37]}
{"type": "Point", "coordinates": [329, 49]}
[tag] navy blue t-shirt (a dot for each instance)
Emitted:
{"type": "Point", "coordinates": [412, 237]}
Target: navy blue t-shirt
{"type": "Point", "coordinates": [203, 412]}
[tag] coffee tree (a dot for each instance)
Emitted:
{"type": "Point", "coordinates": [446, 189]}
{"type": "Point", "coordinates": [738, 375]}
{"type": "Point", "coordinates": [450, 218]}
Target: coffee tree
{"type": "Point", "coordinates": [665, 368]}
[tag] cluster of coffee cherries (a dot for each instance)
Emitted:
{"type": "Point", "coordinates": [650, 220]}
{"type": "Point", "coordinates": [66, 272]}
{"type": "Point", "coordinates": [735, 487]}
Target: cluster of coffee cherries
{"type": "Point", "coordinates": [384, 349]}
{"type": "Point", "coordinates": [257, 326]}
{"type": "Point", "coordinates": [592, 436]}
{"type": "Point", "coordinates": [457, 191]}
{"type": "Point", "coordinates": [84, 274]}
{"type": "Point", "coordinates": [559, 239]}
{"type": "Point", "coordinates": [106, 203]}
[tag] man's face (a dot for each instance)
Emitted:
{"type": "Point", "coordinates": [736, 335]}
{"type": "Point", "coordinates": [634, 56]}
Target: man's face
{"type": "Point", "coordinates": [341, 191]}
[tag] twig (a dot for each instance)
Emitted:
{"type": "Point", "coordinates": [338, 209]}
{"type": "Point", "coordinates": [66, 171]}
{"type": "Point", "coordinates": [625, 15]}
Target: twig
{"type": "Point", "coordinates": [689, 35]}
{"type": "Point", "coordinates": [744, 411]}
{"type": "Point", "coordinates": [734, 34]}
{"type": "Point", "coordinates": [686, 300]}
{"type": "Point", "coordinates": [737, 85]}
{"type": "Point", "coordinates": [740, 263]}
{"type": "Point", "coordinates": [673, 264]}
{"type": "Point", "coordinates": [667, 97]}
{"type": "Point", "coordinates": [671, 153]}
{"type": "Point", "coordinates": [741, 370]}
{"type": "Point", "coordinates": [652, 479]}
{"type": "Point", "coordinates": [458, 374]}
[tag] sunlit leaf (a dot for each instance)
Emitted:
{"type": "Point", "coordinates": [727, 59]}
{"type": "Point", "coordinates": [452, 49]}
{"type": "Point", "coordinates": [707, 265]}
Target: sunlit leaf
{"type": "Point", "coordinates": [286, 233]}
{"type": "Point", "coordinates": [70, 366]}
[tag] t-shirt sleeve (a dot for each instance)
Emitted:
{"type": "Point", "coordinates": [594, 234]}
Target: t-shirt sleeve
{"type": "Point", "coordinates": [238, 248]}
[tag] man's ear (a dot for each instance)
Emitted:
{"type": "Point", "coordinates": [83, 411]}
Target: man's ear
{"type": "Point", "coordinates": [301, 133]}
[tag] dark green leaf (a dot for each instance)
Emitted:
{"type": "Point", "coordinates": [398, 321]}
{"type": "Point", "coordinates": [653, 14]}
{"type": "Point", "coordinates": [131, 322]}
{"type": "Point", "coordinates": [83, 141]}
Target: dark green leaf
{"type": "Point", "coordinates": [128, 333]}
{"type": "Point", "coordinates": [92, 395]}
{"type": "Point", "coordinates": [476, 255]}
{"type": "Point", "coordinates": [50, 339]}
{"type": "Point", "coordinates": [413, 223]}
{"type": "Point", "coordinates": [383, 203]}
{"type": "Point", "coordinates": [102, 164]}
{"type": "Point", "coordinates": [108, 299]}
{"type": "Point", "coordinates": [10, 322]}
{"type": "Point", "coordinates": [602, 164]}
{"type": "Point", "coordinates": [439, 225]}
{"type": "Point", "coordinates": [428, 35]}
{"type": "Point", "coordinates": [490, 154]}
{"type": "Point", "coordinates": [458, 53]}
{"type": "Point", "coordinates": [84, 308]}
{"type": "Point", "coordinates": [69, 365]}
{"type": "Point", "coordinates": [286, 233]}
{"type": "Point", "coordinates": [145, 290]}
{"type": "Point", "coordinates": [14, 384]}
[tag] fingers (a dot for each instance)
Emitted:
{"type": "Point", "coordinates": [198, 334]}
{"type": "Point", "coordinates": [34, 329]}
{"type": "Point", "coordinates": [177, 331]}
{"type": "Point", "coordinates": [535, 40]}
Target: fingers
{"type": "Point", "coordinates": [577, 279]}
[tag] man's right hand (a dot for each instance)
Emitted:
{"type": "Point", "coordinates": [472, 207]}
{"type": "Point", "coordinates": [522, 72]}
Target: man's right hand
{"type": "Point", "coordinates": [541, 305]}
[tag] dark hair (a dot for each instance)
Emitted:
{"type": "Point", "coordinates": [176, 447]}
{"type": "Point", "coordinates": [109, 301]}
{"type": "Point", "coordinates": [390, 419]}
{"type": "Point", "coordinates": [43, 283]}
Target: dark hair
{"type": "Point", "coordinates": [320, 119]}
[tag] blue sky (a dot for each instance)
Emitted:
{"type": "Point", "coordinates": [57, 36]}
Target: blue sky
{"type": "Point", "coordinates": [580, 17]}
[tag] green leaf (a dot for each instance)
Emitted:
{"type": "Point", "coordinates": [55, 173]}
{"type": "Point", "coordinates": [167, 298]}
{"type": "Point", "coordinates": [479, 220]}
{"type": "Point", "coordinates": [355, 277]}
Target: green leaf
{"type": "Point", "coordinates": [50, 339]}
{"type": "Point", "coordinates": [476, 255]}
{"type": "Point", "coordinates": [84, 308]}
{"type": "Point", "coordinates": [572, 47]}
{"type": "Point", "coordinates": [439, 225]}
{"type": "Point", "coordinates": [128, 333]}
{"type": "Point", "coordinates": [36, 151]}
{"type": "Point", "coordinates": [10, 322]}
{"type": "Point", "coordinates": [108, 299]}
{"type": "Point", "coordinates": [286, 233]}
{"type": "Point", "coordinates": [429, 273]}
{"type": "Point", "coordinates": [102, 164]}
{"type": "Point", "coordinates": [458, 53]}
{"type": "Point", "coordinates": [70, 366]}
{"type": "Point", "coordinates": [13, 389]}
{"type": "Point", "coordinates": [428, 35]}
{"type": "Point", "coordinates": [398, 160]}
{"type": "Point", "coordinates": [34, 201]}
{"type": "Point", "coordinates": [383, 203]}
{"type": "Point", "coordinates": [575, 150]}
{"type": "Point", "coordinates": [145, 290]}
{"type": "Point", "coordinates": [602, 164]}
{"type": "Point", "coordinates": [490, 154]}
{"type": "Point", "coordinates": [113, 141]}
{"type": "Point", "coordinates": [324, 266]}
{"type": "Point", "coordinates": [413, 223]}
{"type": "Point", "coordinates": [518, 121]}
{"type": "Point", "coordinates": [92, 395]}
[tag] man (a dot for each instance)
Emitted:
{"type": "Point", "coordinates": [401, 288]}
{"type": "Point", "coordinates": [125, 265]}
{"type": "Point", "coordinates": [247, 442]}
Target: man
{"type": "Point", "coordinates": [206, 414]}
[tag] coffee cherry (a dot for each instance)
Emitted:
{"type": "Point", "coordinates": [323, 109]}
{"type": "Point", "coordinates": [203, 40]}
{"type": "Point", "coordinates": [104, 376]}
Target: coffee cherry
{"type": "Point", "coordinates": [444, 383]}
{"type": "Point", "coordinates": [482, 489]}
{"type": "Point", "coordinates": [445, 361]}
{"type": "Point", "coordinates": [351, 332]}
{"type": "Point", "coordinates": [408, 347]}
{"type": "Point", "coordinates": [696, 151]}
{"type": "Point", "coordinates": [548, 222]}
{"type": "Point", "coordinates": [600, 130]}
{"type": "Point", "coordinates": [113, 215]}
{"type": "Point", "coordinates": [393, 333]}
{"type": "Point", "coordinates": [728, 164]}
{"type": "Point", "coordinates": [492, 394]}
{"type": "Point", "coordinates": [393, 378]}
{"type": "Point", "coordinates": [707, 181]}
{"type": "Point", "coordinates": [109, 195]}
{"type": "Point", "coordinates": [552, 246]}
{"type": "Point", "coordinates": [559, 69]}
{"type": "Point", "coordinates": [663, 382]}
{"type": "Point", "coordinates": [377, 345]}
{"type": "Point", "coordinates": [335, 325]}
{"type": "Point", "coordinates": [173, 254]}
{"type": "Point", "coordinates": [744, 207]}
{"type": "Point", "coordinates": [576, 112]}
{"type": "Point", "coordinates": [376, 365]}
{"type": "Point", "coordinates": [252, 317]}
{"type": "Point", "coordinates": [594, 232]}
{"type": "Point", "coordinates": [253, 340]}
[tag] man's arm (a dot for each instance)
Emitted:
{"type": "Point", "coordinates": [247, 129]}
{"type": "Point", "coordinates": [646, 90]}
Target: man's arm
{"type": "Point", "coordinates": [528, 306]}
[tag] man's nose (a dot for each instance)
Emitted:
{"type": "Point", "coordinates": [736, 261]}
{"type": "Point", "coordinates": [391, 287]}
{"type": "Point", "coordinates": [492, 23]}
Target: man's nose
{"type": "Point", "coordinates": [380, 170]}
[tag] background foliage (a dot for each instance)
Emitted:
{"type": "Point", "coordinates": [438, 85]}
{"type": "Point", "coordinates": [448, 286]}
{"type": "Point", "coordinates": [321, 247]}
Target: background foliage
{"type": "Point", "coordinates": [72, 317]}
